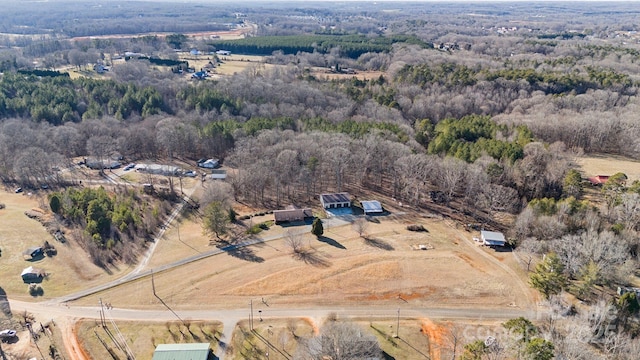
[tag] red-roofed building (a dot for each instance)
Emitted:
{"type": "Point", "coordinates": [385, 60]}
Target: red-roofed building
{"type": "Point", "coordinates": [598, 180]}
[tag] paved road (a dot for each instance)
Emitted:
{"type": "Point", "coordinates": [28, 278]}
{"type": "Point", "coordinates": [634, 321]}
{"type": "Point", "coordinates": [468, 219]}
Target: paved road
{"type": "Point", "coordinates": [273, 311]}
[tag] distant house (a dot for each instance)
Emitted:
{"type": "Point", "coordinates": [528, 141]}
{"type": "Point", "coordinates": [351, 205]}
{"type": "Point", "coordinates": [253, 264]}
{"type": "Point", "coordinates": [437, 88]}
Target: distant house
{"type": "Point", "coordinates": [223, 52]}
{"type": "Point", "coordinates": [337, 200]}
{"type": "Point", "coordinates": [492, 238]}
{"type": "Point", "coordinates": [194, 52]}
{"type": "Point", "coordinates": [32, 274]}
{"type": "Point", "coordinates": [100, 69]}
{"type": "Point", "coordinates": [208, 164]}
{"type": "Point", "coordinates": [158, 169]}
{"type": "Point", "coordinates": [33, 253]}
{"type": "Point", "coordinates": [200, 75]}
{"type": "Point", "coordinates": [193, 351]}
{"type": "Point", "coordinates": [104, 164]}
{"type": "Point", "coordinates": [598, 180]}
{"type": "Point", "coordinates": [291, 214]}
{"type": "Point", "coordinates": [371, 207]}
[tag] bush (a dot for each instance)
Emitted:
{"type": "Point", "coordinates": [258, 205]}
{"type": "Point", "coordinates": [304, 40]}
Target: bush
{"type": "Point", "coordinates": [415, 227]}
{"type": "Point", "coordinates": [35, 290]}
{"type": "Point", "coordinates": [2, 206]}
{"type": "Point", "coordinates": [255, 229]}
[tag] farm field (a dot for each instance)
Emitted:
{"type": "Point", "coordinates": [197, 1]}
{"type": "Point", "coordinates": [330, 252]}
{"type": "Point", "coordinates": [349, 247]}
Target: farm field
{"type": "Point", "coordinates": [143, 337]}
{"type": "Point", "coordinates": [341, 268]}
{"type": "Point", "coordinates": [593, 165]}
{"type": "Point", "coordinates": [69, 270]}
{"type": "Point", "coordinates": [280, 337]}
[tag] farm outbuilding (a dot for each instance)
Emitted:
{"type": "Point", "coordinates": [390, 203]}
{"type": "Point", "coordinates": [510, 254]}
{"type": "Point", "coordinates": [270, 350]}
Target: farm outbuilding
{"type": "Point", "coordinates": [291, 214]}
{"type": "Point", "coordinates": [336, 200]}
{"type": "Point", "coordinates": [157, 169]}
{"type": "Point", "coordinates": [598, 180]}
{"type": "Point", "coordinates": [32, 274]}
{"type": "Point", "coordinates": [371, 207]}
{"type": "Point", "coordinates": [192, 351]}
{"type": "Point", "coordinates": [218, 174]}
{"type": "Point", "coordinates": [33, 253]}
{"type": "Point", "coordinates": [492, 238]}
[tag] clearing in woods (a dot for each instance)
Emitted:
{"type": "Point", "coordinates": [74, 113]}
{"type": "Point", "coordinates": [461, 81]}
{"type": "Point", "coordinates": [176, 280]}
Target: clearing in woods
{"type": "Point", "coordinates": [592, 165]}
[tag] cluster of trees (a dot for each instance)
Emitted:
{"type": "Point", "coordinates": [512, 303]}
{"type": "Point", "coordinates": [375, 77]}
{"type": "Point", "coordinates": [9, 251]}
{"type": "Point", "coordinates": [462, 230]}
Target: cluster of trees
{"type": "Point", "coordinates": [59, 99]}
{"type": "Point", "coordinates": [473, 136]}
{"type": "Point", "coordinates": [350, 46]}
{"type": "Point", "coordinates": [113, 225]}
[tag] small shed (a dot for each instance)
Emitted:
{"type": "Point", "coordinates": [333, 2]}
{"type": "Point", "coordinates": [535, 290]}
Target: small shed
{"type": "Point", "coordinates": [371, 207]}
{"type": "Point", "coordinates": [33, 253]}
{"type": "Point", "coordinates": [193, 351]}
{"type": "Point", "coordinates": [336, 200]}
{"type": "Point", "coordinates": [32, 274]}
{"type": "Point", "coordinates": [291, 214]}
{"type": "Point", "coordinates": [492, 238]}
{"type": "Point", "coordinates": [218, 174]}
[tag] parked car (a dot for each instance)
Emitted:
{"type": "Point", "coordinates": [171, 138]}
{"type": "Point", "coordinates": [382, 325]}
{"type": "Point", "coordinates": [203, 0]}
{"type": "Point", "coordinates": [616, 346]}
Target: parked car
{"type": "Point", "coordinates": [190, 173]}
{"type": "Point", "coordinates": [129, 167]}
{"type": "Point", "coordinates": [7, 334]}
{"type": "Point", "coordinates": [18, 190]}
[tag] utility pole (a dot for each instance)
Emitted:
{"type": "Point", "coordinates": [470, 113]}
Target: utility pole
{"type": "Point", "coordinates": [251, 315]}
{"type": "Point", "coordinates": [153, 285]}
{"type": "Point", "coordinates": [102, 319]}
{"type": "Point", "coordinates": [398, 325]}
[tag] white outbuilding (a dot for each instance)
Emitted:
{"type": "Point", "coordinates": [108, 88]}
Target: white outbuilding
{"type": "Point", "coordinates": [492, 238]}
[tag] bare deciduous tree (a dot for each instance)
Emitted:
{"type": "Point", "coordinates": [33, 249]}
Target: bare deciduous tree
{"type": "Point", "coordinates": [339, 340]}
{"type": "Point", "coordinates": [360, 226]}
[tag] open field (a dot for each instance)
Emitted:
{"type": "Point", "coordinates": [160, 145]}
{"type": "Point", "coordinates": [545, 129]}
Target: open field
{"type": "Point", "coordinates": [279, 338]}
{"type": "Point", "coordinates": [340, 268]}
{"type": "Point", "coordinates": [593, 165]}
{"type": "Point", "coordinates": [69, 270]}
{"type": "Point", "coordinates": [143, 337]}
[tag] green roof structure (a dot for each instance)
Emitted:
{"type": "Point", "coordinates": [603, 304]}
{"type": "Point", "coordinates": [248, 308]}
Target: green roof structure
{"type": "Point", "coordinates": [195, 351]}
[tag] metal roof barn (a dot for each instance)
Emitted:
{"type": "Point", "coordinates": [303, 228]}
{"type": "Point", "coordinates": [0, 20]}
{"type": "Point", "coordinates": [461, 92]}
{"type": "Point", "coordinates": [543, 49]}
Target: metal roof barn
{"type": "Point", "coordinates": [195, 351]}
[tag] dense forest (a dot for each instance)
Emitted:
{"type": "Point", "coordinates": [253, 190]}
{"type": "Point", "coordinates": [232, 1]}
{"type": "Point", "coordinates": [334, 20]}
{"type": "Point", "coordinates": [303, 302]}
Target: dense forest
{"type": "Point", "coordinates": [475, 111]}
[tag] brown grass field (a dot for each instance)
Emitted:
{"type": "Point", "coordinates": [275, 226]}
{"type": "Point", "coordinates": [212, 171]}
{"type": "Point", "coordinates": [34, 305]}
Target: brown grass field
{"type": "Point", "coordinates": [341, 269]}
{"type": "Point", "coordinates": [593, 165]}
{"type": "Point", "coordinates": [143, 337]}
{"type": "Point", "coordinates": [70, 270]}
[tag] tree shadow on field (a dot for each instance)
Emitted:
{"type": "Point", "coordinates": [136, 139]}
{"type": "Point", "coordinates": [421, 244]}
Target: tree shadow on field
{"type": "Point", "coordinates": [330, 241]}
{"type": "Point", "coordinates": [312, 257]}
{"type": "Point", "coordinates": [377, 243]}
{"type": "Point", "coordinates": [242, 253]}
{"type": "Point", "coordinates": [414, 348]}
{"type": "Point", "coordinates": [5, 307]}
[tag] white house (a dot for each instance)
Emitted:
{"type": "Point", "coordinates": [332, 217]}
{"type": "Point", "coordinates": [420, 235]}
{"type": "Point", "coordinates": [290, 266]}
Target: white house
{"type": "Point", "coordinates": [371, 206]}
{"type": "Point", "coordinates": [208, 164]}
{"type": "Point", "coordinates": [337, 200]}
{"type": "Point", "coordinates": [492, 238]}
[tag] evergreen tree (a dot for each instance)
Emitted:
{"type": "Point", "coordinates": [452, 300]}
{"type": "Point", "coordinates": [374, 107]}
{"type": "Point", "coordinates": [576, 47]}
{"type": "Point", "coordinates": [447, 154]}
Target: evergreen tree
{"type": "Point", "coordinates": [548, 277]}
{"type": "Point", "coordinates": [316, 228]}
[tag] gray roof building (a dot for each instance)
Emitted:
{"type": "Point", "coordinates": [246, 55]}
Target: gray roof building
{"type": "Point", "coordinates": [194, 351]}
{"type": "Point", "coordinates": [337, 200]}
